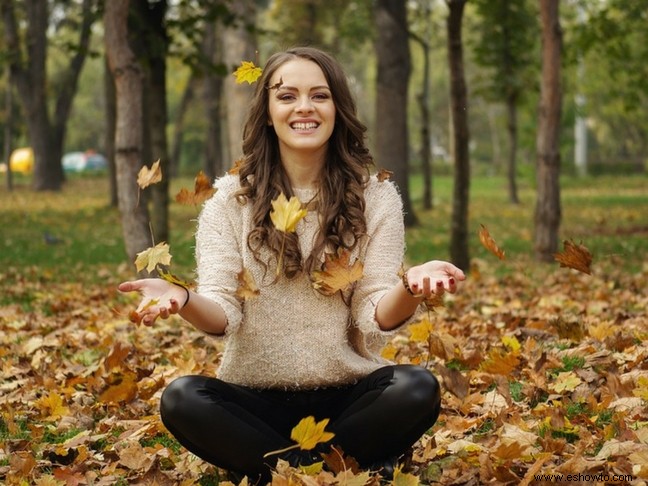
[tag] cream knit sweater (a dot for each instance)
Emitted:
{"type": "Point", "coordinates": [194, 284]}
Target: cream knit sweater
{"type": "Point", "coordinates": [290, 336]}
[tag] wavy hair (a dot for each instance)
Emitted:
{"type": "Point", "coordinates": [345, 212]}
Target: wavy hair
{"type": "Point", "coordinates": [340, 196]}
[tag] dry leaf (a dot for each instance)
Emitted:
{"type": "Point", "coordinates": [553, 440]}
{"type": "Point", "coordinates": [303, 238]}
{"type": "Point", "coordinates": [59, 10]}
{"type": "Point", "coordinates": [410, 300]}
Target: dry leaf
{"type": "Point", "coordinates": [420, 331]}
{"type": "Point", "coordinates": [575, 256]}
{"type": "Point", "coordinates": [247, 288]}
{"type": "Point", "coordinates": [337, 461]}
{"type": "Point", "coordinates": [499, 362]}
{"type": "Point", "coordinates": [174, 279]}
{"type": "Point", "coordinates": [147, 176]}
{"type": "Point", "coordinates": [489, 243]}
{"type": "Point", "coordinates": [51, 406]}
{"type": "Point", "coordinates": [236, 167]}
{"type": "Point", "coordinates": [122, 392]}
{"type": "Point", "coordinates": [151, 257]}
{"type": "Point", "coordinates": [384, 175]}
{"type": "Point", "coordinates": [286, 214]}
{"type": "Point", "coordinates": [566, 381]}
{"type": "Point", "coordinates": [247, 72]}
{"type": "Point", "coordinates": [203, 190]}
{"type": "Point", "coordinates": [337, 274]}
{"type": "Point", "coordinates": [308, 433]}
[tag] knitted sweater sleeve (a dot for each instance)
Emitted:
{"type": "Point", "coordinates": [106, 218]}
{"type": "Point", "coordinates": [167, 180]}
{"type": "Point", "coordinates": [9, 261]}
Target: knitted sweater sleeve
{"type": "Point", "coordinates": [218, 251]}
{"type": "Point", "coordinates": [383, 257]}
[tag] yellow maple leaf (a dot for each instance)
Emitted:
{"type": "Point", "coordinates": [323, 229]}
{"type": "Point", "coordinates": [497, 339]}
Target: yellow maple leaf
{"type": "Point", "coordinates": [286, 214]}
{"type": "Point", "coordinates": [566, 381]}
{"type": "Point", "coordinates": [151, 257]}
{"type": "Point", "coordinates": [147, 176]}
{"type": "Point", "coordinates": [203, 190]}
{"type": "Point", "coordinates": [308, 433]}
{"type": "Point", "coordinates": [247, 72]}
{"type": "Point", "coordinates": [174, 279]}
{"type": "Point", "coordinates": [51, 405]}
{"type": "Point", "coordinates": [420, 331]}
{"type": "Point", "coordinates": [511, 343]}
{"type": "Point", "coordinates": [337, 273]}
{"type": "Point", "coordinates": [404, 479]}
{"type": "Point", "coordinates": [247, 288]}
{"type": "Point", "coordinates": [499, 362]}
{"type": "Point", "coordinates": [641, 390]}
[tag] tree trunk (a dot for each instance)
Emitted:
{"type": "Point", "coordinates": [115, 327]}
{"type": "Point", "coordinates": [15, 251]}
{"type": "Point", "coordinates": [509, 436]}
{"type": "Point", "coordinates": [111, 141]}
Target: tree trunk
{"type": "Point", "coordinates": [394, 68]}
{"type": "Point", "coordinates": [212, 94]}
{"type": "Point", "coordinates": [239, 44]}
{"type": "Point", "coordinates": [511, 126]}
{"type": "Point", "coordinates": [128, 77]}
{"type": "Point", "coordinates": [8, 127]}
{"type": "Point", "coordinates": [547, 211]}
{"type": "Point", "coordinates": [178, 125]}
{"type": "Point", "coordinates": [111, 121]}
{"type": "Point", "coordinates": [157, 48]}
{"type": "Point", "coordinates": [30, 75]}
{"type": "Point", "coordinates": [459, 252]}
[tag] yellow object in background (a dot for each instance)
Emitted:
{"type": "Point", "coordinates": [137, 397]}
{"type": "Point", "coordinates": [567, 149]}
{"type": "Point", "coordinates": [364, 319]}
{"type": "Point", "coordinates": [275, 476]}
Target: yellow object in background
{"type": "Point", "coordinates": [22, 160]}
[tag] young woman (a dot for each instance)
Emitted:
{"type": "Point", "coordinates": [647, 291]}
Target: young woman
{"type": "Point", "coordinates": [295, 350]}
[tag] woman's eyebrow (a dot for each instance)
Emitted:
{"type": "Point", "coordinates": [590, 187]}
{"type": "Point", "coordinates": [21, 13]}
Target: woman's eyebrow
{"type": "Point", "coordinates": [293, 88]}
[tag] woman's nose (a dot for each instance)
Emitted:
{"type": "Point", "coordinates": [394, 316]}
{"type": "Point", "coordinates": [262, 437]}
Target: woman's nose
{"type": "Point", "coordinates": [305, 104]}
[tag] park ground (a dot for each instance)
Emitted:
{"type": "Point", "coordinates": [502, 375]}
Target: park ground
{"type": "Point", "coordinates": [544, 368]}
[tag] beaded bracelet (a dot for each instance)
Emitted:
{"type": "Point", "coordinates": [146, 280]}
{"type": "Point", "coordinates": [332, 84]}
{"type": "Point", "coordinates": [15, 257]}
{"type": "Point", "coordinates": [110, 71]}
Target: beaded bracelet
{"type": "Point", "coordinates": [406, 284]}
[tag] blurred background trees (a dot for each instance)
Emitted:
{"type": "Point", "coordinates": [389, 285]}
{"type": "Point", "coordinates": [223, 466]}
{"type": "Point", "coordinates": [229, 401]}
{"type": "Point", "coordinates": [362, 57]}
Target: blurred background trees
{"type": "Point", "coordinates": [59, 89]}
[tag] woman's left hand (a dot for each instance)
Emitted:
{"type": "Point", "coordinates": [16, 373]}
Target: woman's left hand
{"type": "Point", "coordinates": [434, 278]}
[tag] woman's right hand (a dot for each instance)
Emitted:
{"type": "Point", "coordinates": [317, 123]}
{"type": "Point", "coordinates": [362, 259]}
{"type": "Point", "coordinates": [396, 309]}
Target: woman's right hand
{"type": "Point", "coordinates": [159, 299]}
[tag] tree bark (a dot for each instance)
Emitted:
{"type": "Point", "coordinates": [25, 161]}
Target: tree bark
{"type": "Point", "coordinates": [548, 211]}
{"type": "Point", "coordinates": [394, 68]}
{"type": "Point", "coordinates": [212, 95]}
{"type": "Point", "coordinates": [459, 252]}
{"type": "Point", "coordinates": [8, 128]}
{"type": "Point", "coordinates": [128, 77]}
{"type": "Point", "coordinates": [111, 121]}
{"type": "Point", "coordinates": [178, 125]}
{"type": "Point", "coordinates": [511, 126]}
{"type": "Point", "coordinates": [239, 44]}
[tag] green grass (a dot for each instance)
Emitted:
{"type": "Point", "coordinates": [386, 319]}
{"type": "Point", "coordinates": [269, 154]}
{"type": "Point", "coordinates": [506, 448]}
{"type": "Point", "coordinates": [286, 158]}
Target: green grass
{"type": "Point", "coordinates": [606, 214]}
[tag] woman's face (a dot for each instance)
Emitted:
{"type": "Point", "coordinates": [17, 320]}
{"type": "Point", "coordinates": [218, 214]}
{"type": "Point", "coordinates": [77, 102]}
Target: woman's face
{"type": "Point", "coordinates": [301, 109]}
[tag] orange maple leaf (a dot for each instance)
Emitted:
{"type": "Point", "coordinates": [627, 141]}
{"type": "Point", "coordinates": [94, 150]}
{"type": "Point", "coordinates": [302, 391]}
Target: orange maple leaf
{"type": "Point", "coordinates": [247, 288]}
{"type": "Point", "coordinates": [147, 176]}
{"type": "Point", "coordinates": [52, 406]}
{"type": "Point", "coordinates": [123, 391]}
{"type": "Point", "coordinates": [203, 190]}
{"type": "Point", "coordinates": [575, 256]}
{"type": "Point", "coordinates": [500, 362]}
{"type": "Point", "coordinates": [337, 273]}
{"type": "Point", "coordinates": [489, 243]}
{"type": "Point", "coordinates": [236, 167]}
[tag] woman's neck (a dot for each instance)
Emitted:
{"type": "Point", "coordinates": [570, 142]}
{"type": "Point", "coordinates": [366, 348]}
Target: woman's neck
{"type": "Point", "coordinates": [303, 172]}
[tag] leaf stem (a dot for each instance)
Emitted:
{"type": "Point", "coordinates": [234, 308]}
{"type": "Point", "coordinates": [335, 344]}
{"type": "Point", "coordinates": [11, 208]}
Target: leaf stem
{"type": "Point", "coordinates": [289, 448]}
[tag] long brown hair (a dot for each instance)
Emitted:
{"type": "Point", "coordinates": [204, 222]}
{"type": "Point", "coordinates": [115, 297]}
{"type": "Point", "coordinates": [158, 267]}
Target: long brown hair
{"type": "Point", "coordinates": [340, 199]}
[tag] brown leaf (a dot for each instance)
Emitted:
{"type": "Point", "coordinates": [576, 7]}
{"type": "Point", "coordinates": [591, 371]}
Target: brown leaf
{"type": "Point", "coordinates": [337, 273]}
{"type": "Point", "coordinates": [384, 175]}
{"type": "Point", "coordinates": [203, 190]}
{"type": "Point", "coordinates": [337, 461]}
{"type": "Point", "coordinates": [236, 167]}
{"type": "Point", "coordinates": [147, 176]}
{"type": "Point", "coordinates": [500, 362]}
{"type": "Point", "coordinates": [489, 243]}
{"type": "Point", "coordinates": [123, 392]}
{"type": "Point", "coordinates": [117, 356]}
{"type": "Point", "coordinates": [247, 288]}
{"type": "Point", "coordinates": [575, 256]}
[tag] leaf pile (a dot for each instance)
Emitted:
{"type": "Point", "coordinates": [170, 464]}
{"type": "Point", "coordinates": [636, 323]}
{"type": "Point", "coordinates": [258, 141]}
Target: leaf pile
{"type": "Point", "coordinates": [543, 371]}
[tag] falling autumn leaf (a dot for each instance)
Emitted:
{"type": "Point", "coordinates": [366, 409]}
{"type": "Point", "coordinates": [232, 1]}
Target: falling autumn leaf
{"type": "Point", "coordinates": [152, 257]}
{"type": "Point", "coordinates": [286, 214]}
{"type": "Point", "coordinates": [203, 190]}
{"type": "Point", "coordinates": [236, 167]}
{"type": "Point", "coordinates": [247, 288]}
{"type": "Point", "coordinates": [383, 175]}
{"type": "Point", "coordinates": [308, 433]}
{"type": "Point", "coordinates": [489, 243]}
{"type": "Point", "coordinates": [337, 274]}
{"type": "Point", "coordinates": [247, 72]}
{"type": "Point", "coordinates": [147, 176]}
{"type": "Point", "coordinates": [575, 256]}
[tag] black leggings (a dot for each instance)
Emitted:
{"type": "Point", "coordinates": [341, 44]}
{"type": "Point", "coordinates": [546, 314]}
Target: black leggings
{"type": "Point", "coordinates": [232, 426]}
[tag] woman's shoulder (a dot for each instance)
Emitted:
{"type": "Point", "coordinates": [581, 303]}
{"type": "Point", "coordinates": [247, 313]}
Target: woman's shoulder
{"type": "Point", "coordinates": [382, 192]}
{"type": "Point", "coordinates": [227, 185]}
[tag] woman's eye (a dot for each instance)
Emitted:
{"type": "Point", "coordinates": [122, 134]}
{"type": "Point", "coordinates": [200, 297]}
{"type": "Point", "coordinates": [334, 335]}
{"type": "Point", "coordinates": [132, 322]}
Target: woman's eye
{"type": "Point", "coordinates": [321, 96]}
{"type": "Point", "coordinates": [285, 97]}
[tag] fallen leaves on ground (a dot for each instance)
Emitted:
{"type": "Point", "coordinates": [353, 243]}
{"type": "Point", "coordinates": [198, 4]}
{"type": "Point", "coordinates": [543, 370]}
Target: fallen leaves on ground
{"type": "Point", "coordinates": [543, 371]}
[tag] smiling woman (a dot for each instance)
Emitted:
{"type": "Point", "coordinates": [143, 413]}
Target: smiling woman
{"type": "Point", "coordinates": [302, 205]}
